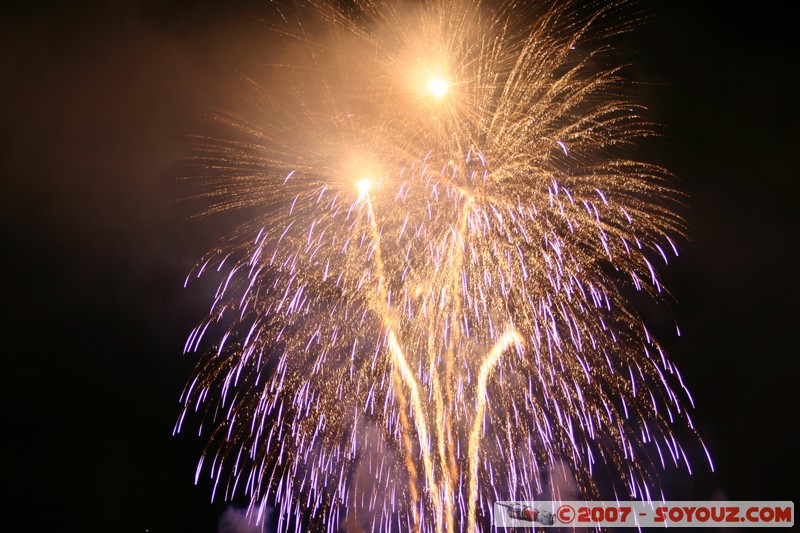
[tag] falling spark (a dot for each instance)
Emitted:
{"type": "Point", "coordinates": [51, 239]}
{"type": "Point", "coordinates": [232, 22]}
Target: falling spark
{"type": "Point", "coordinates": [449, 220]}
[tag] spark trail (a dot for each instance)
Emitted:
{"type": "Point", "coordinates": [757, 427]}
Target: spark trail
{"type": "Point", "coordinates": [450, 218]}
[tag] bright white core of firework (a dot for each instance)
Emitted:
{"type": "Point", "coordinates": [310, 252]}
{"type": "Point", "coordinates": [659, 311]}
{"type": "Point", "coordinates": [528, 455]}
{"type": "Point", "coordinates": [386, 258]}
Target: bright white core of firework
{"type": "Point", "coordinates": [363, 185]}
{"type": "Point", "coordinates": [437, 87]}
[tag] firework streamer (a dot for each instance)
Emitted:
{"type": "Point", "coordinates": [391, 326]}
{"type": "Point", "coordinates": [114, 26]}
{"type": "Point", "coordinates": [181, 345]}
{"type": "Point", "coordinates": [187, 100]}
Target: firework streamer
{"type": "Point", "coordinates": [449, 216]}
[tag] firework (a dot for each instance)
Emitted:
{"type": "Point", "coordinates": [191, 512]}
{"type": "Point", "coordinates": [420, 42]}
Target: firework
{"type": "Point", "coordinates": [428, 313]}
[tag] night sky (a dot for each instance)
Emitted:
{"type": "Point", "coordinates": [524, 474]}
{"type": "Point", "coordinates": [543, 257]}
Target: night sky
{"type": "Point", "coordinates": [98, 102]}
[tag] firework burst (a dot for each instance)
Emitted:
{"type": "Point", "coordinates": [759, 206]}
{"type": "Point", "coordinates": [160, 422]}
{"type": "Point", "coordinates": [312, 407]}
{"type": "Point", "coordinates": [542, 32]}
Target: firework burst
{"type": "Point", "coordinates": [431, 300]}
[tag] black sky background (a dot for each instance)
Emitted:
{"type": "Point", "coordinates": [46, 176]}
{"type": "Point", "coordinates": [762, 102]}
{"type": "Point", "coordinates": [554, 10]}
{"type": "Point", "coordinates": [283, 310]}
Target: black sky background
{"type": "Point", "coordinates": [98, 100]}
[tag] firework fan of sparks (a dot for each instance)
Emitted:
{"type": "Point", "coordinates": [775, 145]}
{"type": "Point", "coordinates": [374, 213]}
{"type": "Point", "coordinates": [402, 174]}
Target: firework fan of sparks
{"type": "Point", "coordinates": [428, 314]}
